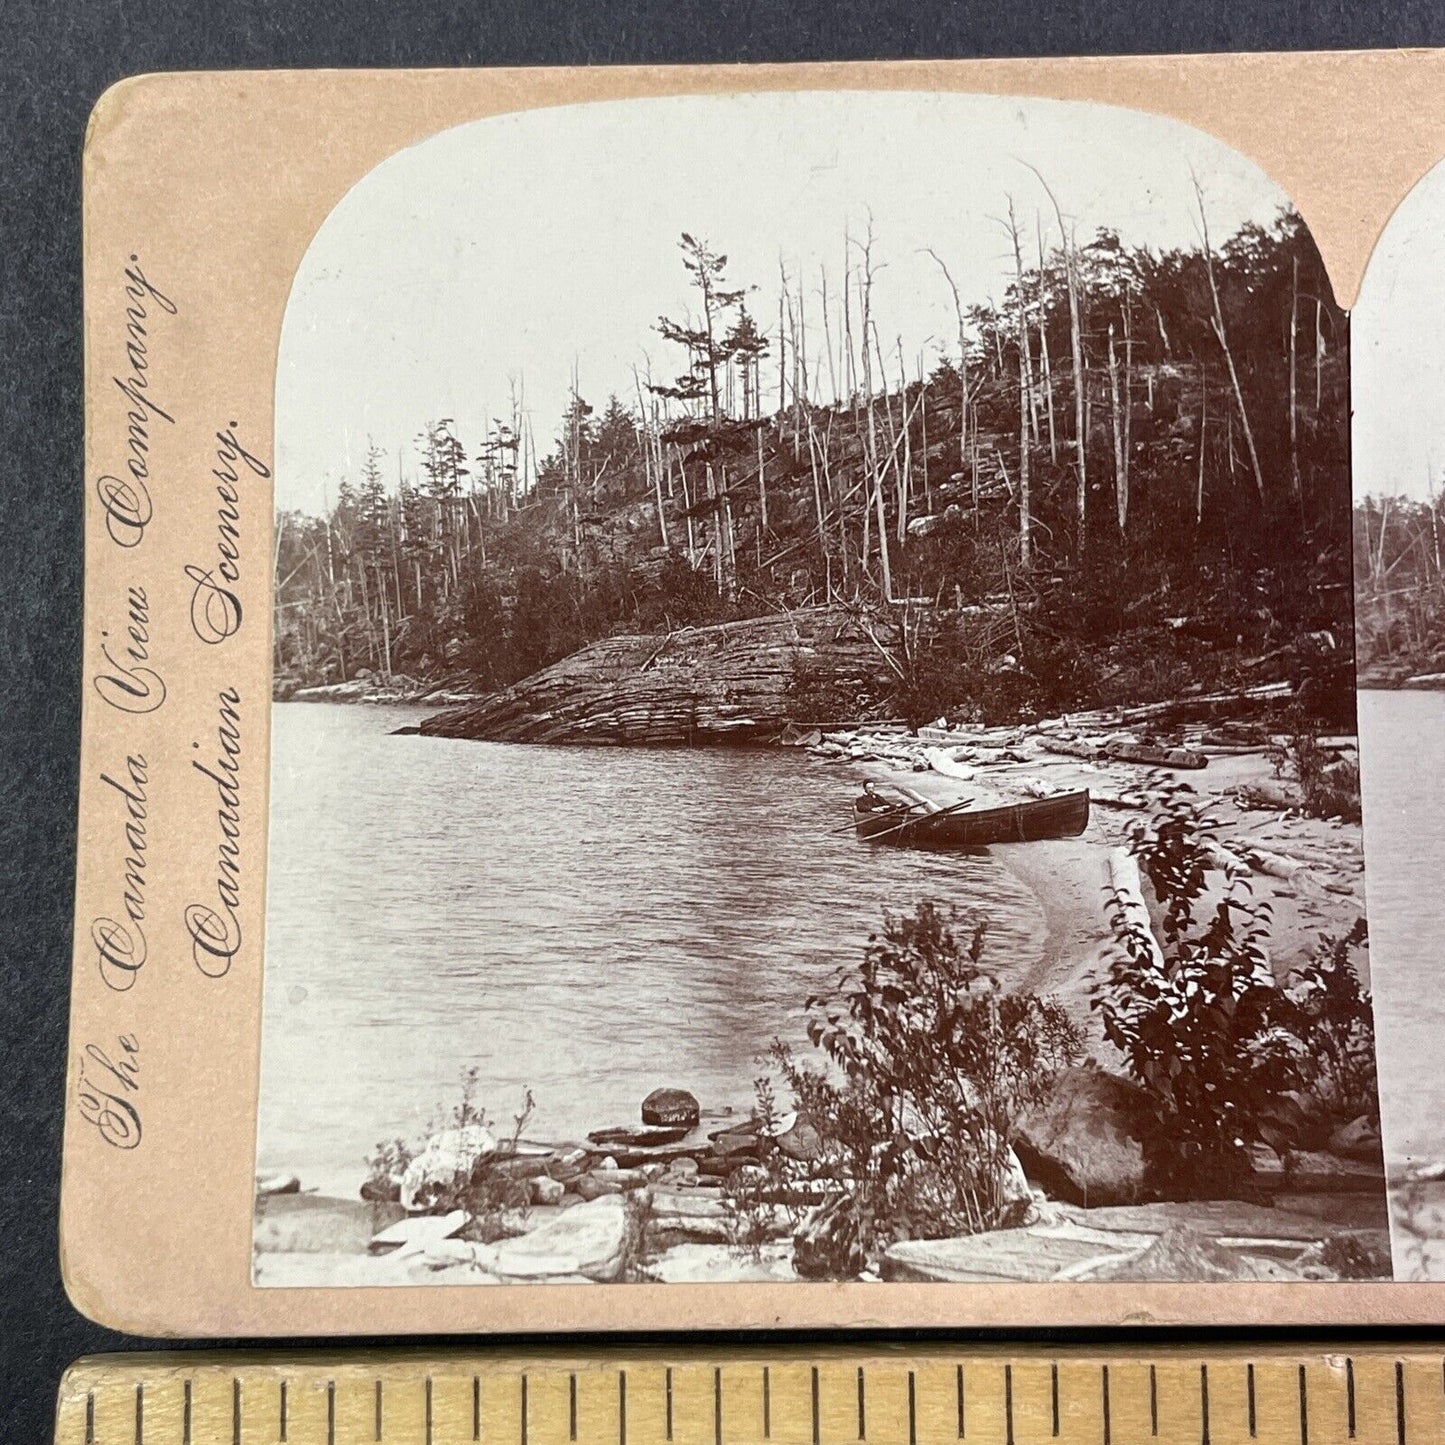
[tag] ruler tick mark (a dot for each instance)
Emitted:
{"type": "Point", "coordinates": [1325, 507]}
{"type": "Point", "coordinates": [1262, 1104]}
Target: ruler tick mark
{"type": "Point", "coordinates": [622, 1407]}
{"type": "Point", "coordinates": [817, 1428]}
{"type": "Point", "coordinates": [1399, 1402]}
{"type": "Point", "coordinates": [1054, 1394]}
{"type": "Point", "coordinates": [912, 1410]}
{"type": "Point", "coordinates": [767, 1405]}
{"type": "Point", "coordinates": [1153, 1401]}
{"type": "Point", "coordinates": [377, 1434]}
{"type": "Point", "coordinates": [90, 1418]}
{"type": "Point", "coordinates": [961, 1420]}
{"type": "Point", "coordinates": [667, 1400]}
{"type": "Point", "coordinates": [1107, 1422]}
{"type": "Point", "coordinates": [717, 1406]}
{"type": "Point", "coordinates": [572, 1406]}
{"type": "Point", "coordinates": [282, 1412]}
{"type": "Point", "coordinates": [1304, 1408]}
{"type": "Point", "coordinates": [524, 1407]}
{"type": "Point", "coordinates": [1008, 1403]}
{"type": "Point", "coordinates": [1350, 1397]}
{"type": "Point", "coordinates": [331, 1412]}
{"type": "Point", "coordinates": [1249, 1390]}
{"type": "Point", "coordinates": [862, 1407]}
{"type": "Point", "coordinates": [1204, 1404]}
{"type": "Point", "coordinates": [140, 1413]}
{"type": "Point", "coordinates": [236, 1410]}
{"type": "Point", "coordinates": [428, 1410]}
{"type": "Point", "coordinates": [185, 1415]}
{"type": "Point", "coordinates": [477, 1407]}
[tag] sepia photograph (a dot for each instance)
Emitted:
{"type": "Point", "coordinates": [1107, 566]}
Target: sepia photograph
{"type": "Point", "coordinates": [814, 726]}
{"type": "Point", "coordinates": [1399, 473]}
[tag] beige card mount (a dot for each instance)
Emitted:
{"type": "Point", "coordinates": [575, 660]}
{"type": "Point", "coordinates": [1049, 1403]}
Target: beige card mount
{"type": "Point", "coordinates": [490, 474]}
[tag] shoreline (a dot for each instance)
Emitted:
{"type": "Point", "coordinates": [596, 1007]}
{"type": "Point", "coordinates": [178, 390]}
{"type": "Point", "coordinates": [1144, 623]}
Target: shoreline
{"type": "Point", "coordinates": [1068, 877]}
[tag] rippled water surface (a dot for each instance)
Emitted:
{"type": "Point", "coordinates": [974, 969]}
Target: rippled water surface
{"type": "Point", "coordinates": [586, 923]}
{"type": "Point", "coordinates": [1402, 758]}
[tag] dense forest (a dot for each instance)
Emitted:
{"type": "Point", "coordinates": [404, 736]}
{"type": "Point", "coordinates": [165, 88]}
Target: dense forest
{"type": "Point", "coordinates": [1127, 475]}
{"type": "Point", "coordinates": [1400, 586]}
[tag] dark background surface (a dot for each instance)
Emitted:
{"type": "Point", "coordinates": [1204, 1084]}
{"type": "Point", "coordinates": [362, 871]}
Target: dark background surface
{"type": "Point", "coordinates": [55, 60]}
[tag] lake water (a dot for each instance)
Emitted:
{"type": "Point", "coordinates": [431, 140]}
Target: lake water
{"type": "Point", "coordinates": [1402, 760]}
{"type": "Point", "coordinates": [586, 923]}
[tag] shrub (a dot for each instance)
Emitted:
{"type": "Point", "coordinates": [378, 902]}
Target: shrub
{"type": "Point", "coordinates": [1329, 786]}
{"type": "Point", "coordinates": [929, 1064]}
{"type": "Point", "coordinates": [1218, 1047]}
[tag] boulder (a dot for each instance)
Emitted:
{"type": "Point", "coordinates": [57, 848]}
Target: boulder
{"type": "Point", "coordinates": [828, 1244]}
{"type": "Point", "coordinates": [278, 1184]}
{"type": "Point", "coordinates": [697, 1214]}
{"type": "Point", "coordinates": [569, 1164]}
{"type": "Point", "coordinates": [595, 1186]}
{"type": "Point", "coordinates": [447, 1166]}
{"type": "Point", "coordinates": [586, 1242]}
{"type": "Point", "coordinates": [1077, 1145]}
{"type": "Point", "coordinates": [545, 1191]}
{"type": "Point", "coordinates": [801, 1140]}
{"type": "Point", "coordinates": [670, 1107]}
{"type": "Point", "coordinates": [411, 1235]}
{"type": "Point", "coordinates": [383, 1190]}
{"type": "Point", "coordinates": [733, 1147]}
{"type": "Point", "coordinates": [1359, 1139]}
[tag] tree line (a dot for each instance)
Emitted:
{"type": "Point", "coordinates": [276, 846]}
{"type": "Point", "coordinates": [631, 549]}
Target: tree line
{"type": "Point", "coordinates": [1124, 439]}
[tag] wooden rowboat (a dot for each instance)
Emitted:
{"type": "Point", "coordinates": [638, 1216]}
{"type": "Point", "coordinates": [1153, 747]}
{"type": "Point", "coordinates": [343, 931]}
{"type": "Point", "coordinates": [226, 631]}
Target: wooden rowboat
{"type": "Point", "coordinates": [1063, 816]}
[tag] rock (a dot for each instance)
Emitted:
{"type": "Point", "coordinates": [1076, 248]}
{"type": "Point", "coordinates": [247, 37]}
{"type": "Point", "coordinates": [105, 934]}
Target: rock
{"type": "Point", "coordinates": [742, 1126]}
{"type": "Point", "coordinates": [1029, 1255]}
{"type": "Point", "coordinates": [670, 1107]}
{"type": "Point", "coordinates": [626, 1157]}
{"type": "Point", "coordinates": [387, 1190]}
{"type": "Point", "coordinates": [1315, 1171]}
{"type": "Point", "coordinates": [801, 1141]}
{"type": "Point", "coordinates": [608, 1163]}
{"type": "Point", "coordinates": [696, 1215]}
{"type": "Point", "coordinates": [734, 1146]}
{"type": "Point", "coordinates": [1359, 1139]}
{"type": "Point", "coordinates": [1077, 1144]}
{"type": "Point", "coordinates": [316, 1224]}
{"type": "Point", "coordinates": [408, 1236]}
{"type": "Point", "coordinates": [448, 1165]}
{"type": "Point", "coordinates": [519, 1166]}
{"type": "Point", "coordinates": [545, 1191]}
{"type": "Point", "coordinates": [640, 1136]}
{"type": "Point", "coordinates": [594, 1186]}
{"type": "Point", "coordinates": [1183, 1256]}
{"type": "Point", "coordinates": [1016, 1199]}
{"type": "Point", "coordinates": [696, 1263]}
{"type": "Point", "coordinates": [589, 1241]}
{"type": "Point", "coordinates": [278, 1184]}
{"type": "Point", "coordinates": [827, 1244]}
{"type": "Point", "coordinates": [569, 1164]}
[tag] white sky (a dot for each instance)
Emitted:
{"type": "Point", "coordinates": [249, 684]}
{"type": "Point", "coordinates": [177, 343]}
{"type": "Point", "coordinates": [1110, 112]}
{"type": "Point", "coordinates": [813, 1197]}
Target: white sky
{"type": "Point", "coordinates": [509, 247]}
{"type": "Point", "coordinates": [1397, 340]}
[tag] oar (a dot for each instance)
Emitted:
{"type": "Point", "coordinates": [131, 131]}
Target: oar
{"type": "Point", "coordinates": [921, 818]}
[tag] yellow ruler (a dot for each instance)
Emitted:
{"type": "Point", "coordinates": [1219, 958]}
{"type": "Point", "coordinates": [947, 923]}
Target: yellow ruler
{"type": "Point", "coordinates": [1018, 1395]}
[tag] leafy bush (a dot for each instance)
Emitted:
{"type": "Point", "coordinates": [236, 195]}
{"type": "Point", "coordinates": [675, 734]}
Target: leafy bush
{"type": "Point", "coordinates": [1199, 1020]}
{"type": "Point", "coordinates": [929, 1065]}
{"type": "Point", "coordinates": [1220, 1049]}
{"type": "Point", "coordinates": [1334, 1014]}
{"type": "Point", "coordinates": [1329, 786]}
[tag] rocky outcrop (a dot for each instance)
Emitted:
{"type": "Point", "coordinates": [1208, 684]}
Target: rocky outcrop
{"type": "Point", "coordinates": [743, 681]}
{"type": "Point", "coordinates": [1077, 1145]}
